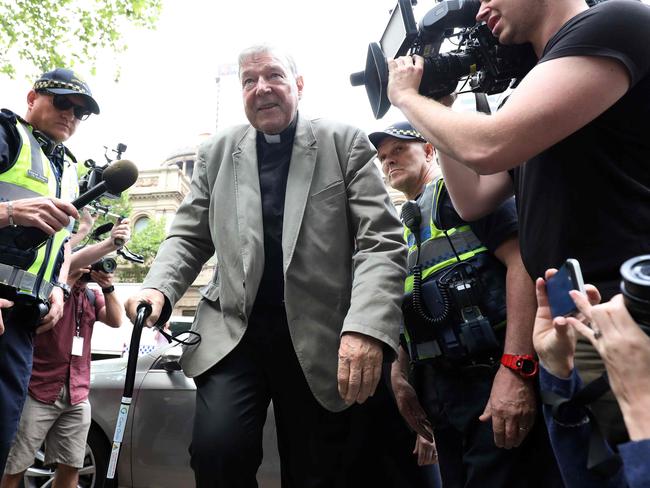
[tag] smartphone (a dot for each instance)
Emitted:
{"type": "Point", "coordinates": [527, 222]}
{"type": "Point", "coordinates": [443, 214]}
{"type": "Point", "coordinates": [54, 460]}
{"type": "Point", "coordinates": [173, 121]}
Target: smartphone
{"type": "Point", "coordinates": [568, 277]}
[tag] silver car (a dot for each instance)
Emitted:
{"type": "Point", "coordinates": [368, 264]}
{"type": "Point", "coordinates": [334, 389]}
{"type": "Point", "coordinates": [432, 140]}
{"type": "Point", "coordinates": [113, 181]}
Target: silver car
{"type": "Point", "coordinates": [154, 452]}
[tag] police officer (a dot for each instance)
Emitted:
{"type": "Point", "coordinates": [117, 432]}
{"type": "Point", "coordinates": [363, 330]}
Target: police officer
{"type": "Point", "coordinates": [38, 179]}
{"type": "Point", "coordinates": [474, 376]}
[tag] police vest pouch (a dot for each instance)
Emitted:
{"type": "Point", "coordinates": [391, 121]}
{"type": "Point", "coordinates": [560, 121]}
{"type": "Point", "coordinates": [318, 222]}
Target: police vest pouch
{"type": "Point", "coordinates": [452, 315]}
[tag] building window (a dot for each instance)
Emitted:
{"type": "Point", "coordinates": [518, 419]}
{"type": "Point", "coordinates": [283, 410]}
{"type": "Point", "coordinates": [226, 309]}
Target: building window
{"type": "Point", "coordinates": [141, 224]}
{"type": "Point", "coordinates": [189, 168]}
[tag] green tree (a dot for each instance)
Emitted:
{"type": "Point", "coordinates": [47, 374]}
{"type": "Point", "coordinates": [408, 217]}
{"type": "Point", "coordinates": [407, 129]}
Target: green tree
{"type": "Point", "coordinates": [51, 33]}
{"type": "Point", "coordinates": [146, 243]}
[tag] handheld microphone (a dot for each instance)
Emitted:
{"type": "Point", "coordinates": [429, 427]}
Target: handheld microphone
{"type": "Point", "coordinates": [119, 176]}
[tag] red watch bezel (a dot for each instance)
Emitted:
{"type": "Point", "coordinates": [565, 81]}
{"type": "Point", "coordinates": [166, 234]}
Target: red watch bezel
{"type": "Point", "coordinates": [518, 362]}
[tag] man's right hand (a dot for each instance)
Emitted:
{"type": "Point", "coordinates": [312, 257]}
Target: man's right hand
{"type": "Point", "coordinates": [4, 304]}
{"type": "Point", "coordinates": [553, 338]}
{"type": "Point", "coordinates": [409, 405]}
{"type": "Point", "coordinates": [149, 295]}
{"type": "Point", "coordinates": [48, 214]}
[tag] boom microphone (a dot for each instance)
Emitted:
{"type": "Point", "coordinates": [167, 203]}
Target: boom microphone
{"type": "Point", "coordinates": [119, 176]}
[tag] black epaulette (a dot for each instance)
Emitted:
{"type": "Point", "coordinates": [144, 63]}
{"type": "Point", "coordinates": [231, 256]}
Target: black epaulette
{"type": "Point", "coordinates": [7, 116]}
{"type": "Point", "coordinates": [69, 154]}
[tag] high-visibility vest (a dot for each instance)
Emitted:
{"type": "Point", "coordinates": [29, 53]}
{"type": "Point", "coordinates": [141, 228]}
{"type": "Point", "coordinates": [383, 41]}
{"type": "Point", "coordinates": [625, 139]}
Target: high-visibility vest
{"type": "Point", "coordinates": [436, 251]}
{"type": "Point", "coordinates": [34, 175]}
{"type": "Point", "coordinates": [439, 250]}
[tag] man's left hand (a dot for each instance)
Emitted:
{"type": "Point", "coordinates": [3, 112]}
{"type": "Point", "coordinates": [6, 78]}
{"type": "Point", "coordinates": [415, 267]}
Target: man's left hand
{"type": "Point", "coordinates": [121, 233]}
{"type": "Point", "coordinates": [511, 407]}
{"type": "Point", "coordinates": [103, 279]}
{"type": "Point", "coordinates": [360, 358]}
{"type": "Point", "coordinates": [404, 77]}
{"type": "Point", "coordinates": [55, 313]}
{"type": "Point", "coordinates": [4, 304]}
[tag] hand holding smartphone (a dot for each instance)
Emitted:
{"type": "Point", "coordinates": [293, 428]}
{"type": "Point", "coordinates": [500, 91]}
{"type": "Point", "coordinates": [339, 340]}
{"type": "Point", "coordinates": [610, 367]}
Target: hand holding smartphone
{"type": "Point", "coordinates": [568, 277]}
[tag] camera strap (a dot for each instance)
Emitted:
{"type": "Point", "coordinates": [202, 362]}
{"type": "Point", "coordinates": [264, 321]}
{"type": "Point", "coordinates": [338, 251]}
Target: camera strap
{"type": "Point", "coordinates": [600, 460]}
{"type": "Point", "coordinates": [482, 104]}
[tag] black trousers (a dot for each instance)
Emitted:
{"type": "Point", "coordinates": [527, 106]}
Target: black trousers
{"type": "Point", "coordinates": [318, 448]}
{"type": "Point", "coordinates": [16, 352]}
{"type": "Point", "coordinates": [454, 399]}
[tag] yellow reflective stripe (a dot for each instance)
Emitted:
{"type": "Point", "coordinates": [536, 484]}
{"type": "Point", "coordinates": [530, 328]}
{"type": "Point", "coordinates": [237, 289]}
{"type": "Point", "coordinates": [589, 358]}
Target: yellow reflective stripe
{"type": "Point", "coordinates": [19, 172]}
{"type": "Point", "coordinates": [450, 232]}
{"type": "Point", "coordinates": [57, 244]}
{"type": "Point", "coordinates": [408, 283]}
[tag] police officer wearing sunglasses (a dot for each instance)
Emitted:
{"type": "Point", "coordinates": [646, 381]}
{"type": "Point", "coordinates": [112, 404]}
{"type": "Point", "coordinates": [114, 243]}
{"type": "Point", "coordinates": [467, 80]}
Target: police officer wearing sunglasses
{"type": "Point", "coordinates": [38, 179]}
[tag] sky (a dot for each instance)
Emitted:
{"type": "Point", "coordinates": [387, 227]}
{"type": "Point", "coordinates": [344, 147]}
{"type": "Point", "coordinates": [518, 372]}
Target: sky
{"type": "Point", "coordinates": [168, 96]}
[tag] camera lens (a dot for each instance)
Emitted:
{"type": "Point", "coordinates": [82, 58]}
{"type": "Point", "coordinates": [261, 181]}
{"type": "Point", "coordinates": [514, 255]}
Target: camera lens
{"type": "Point", "coordinates": [108, 265]}
{"type": "Point", "coordinates": [635, 286]}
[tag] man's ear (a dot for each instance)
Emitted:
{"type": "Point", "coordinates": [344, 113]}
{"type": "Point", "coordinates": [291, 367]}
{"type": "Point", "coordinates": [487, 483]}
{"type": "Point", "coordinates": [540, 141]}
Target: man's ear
{"type": "Point", "coordinates": [31, 97]}
{"type": "Point", "coordinates": [300, 83]}
{"type": "Point", "coordinates": [429, 151]}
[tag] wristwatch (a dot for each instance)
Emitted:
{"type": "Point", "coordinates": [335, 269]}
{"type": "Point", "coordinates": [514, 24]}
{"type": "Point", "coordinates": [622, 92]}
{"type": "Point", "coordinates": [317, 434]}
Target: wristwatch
{"type": "Point", "coordinates": [524, 364]}
{"type": "Point", "coordinates": [65, 287]}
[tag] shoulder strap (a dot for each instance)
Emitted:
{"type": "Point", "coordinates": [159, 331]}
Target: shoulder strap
{"type": "Point", "coordinates": [90, 295]}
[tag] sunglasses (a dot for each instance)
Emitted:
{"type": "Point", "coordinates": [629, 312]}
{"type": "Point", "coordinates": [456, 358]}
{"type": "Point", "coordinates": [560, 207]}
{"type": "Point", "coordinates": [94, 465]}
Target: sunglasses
{"type": "Point", "coordinates": [61, 102]}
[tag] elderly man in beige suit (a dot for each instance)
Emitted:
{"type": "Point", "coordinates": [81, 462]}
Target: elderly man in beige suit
{"type": "Point", "coordinates": [305, 302]}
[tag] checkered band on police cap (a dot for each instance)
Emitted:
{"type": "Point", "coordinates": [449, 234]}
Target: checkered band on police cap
{"type": "Point", "coordinates": [400, 130]}
{"type": "Point", "coordinates": [62, 81]}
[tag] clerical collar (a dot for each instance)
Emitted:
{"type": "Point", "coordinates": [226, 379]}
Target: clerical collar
{"type": "Point", "coordinates": [286, 135]}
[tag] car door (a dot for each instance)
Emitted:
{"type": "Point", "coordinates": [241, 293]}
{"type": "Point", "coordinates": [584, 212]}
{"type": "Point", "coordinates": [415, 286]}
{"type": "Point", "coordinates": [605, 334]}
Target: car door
{"type": "Point", "coordinates": [162, 425]}
{"type": "Point", "coordinates": [162, 429]}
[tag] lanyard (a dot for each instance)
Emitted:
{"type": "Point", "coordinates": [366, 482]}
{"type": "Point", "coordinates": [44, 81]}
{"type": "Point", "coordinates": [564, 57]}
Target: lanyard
{"type": "Point", "coordinates": [79, 313]}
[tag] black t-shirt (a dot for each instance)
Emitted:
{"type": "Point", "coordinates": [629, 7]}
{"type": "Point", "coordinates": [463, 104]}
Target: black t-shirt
{"type": "Point", "coordinates": [588, 197]}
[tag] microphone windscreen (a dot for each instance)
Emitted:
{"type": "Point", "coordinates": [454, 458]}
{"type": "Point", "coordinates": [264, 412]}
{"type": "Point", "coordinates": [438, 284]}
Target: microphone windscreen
{"type": "Point", "coordinates": [102, 229]}
{"type": "Point", "coordinates": [120, 175]}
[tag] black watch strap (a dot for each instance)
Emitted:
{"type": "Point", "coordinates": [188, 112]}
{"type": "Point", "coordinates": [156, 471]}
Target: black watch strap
{"type": "Point", "coordinates": [108, 289]}
{"type": "Point", "coordinates": [65, 287]}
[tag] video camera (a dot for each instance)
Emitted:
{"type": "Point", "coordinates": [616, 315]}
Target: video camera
{"type": "Point", "coordinates": [488, 67]}
{"type": "Point", "coordinates": [96, 172]}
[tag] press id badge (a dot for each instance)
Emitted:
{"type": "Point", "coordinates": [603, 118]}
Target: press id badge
{"type": "Point", "coordinates": [77, 346]}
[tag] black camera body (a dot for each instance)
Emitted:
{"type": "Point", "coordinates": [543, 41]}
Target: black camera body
{"type": "Point", "coordinates": [488, 66]}
{"type": "Point", "coordinates": [95, 173]}
{"type": "Point", "coordinates": [107, 265]}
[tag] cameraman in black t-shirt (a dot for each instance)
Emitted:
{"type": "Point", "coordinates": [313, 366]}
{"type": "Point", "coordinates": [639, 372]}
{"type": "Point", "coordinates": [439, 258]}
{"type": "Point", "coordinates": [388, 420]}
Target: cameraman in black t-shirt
{"type": "Point", "coordinates": [571, 142]}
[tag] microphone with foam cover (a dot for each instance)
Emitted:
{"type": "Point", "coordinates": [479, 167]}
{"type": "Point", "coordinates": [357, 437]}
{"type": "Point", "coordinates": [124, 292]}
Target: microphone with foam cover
{"type": "Point", "coordinates": [119, 176]}
{"type": "Point", "coordinates": [116, 178]}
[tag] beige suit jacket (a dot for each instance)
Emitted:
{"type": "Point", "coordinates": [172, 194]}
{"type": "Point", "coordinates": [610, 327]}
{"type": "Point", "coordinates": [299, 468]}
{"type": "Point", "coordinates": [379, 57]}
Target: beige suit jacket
{"type": "Point", "coordinates": [343, 251]}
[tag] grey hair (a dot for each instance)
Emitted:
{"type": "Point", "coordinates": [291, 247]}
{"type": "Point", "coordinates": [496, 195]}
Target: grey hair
{"type": "Point", "coordinates": [267, 49]}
